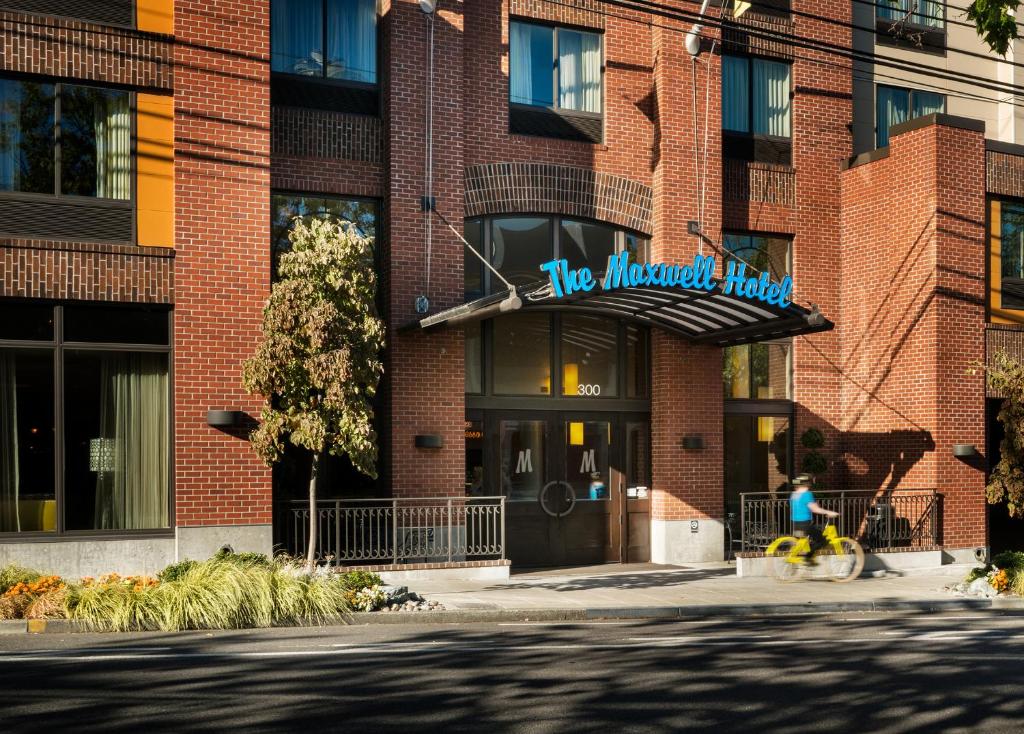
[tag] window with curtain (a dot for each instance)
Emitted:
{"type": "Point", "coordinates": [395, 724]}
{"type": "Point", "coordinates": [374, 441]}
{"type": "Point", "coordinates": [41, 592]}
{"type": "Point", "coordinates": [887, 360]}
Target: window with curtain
{"type": "Point", "coordinates": [1010, 216]}
{"type": "Point", "coordinates": [756, 96]}
{"type": "Point", "coordinates": [105, 371]}
{"type": "Point", "coordinates": [91, 137]}
{"type": "Point", "coordinates": [554, 67]}
{"type": "Point", "coordinates": [894, 105]}
{"type": "Point", "coordinates": [330, 39]}
{"type": "Point", "coordinates": [924, 13]}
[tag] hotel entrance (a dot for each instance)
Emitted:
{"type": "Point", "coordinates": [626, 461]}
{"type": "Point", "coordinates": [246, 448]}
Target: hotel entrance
{"type": "Point", "coordinates": [576, 483]}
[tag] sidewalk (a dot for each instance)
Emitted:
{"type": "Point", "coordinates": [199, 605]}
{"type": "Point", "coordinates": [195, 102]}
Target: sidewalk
{"type": "Point", "coordinates": [647, 590]}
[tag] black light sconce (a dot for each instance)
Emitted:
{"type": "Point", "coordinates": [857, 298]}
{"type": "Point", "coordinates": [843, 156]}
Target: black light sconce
{"type": "Point", "coordinates": [964, 450]}
{"type": "Point", "coordinates": [693, 443]}
{"type": "Point", "coordinates": [224, 418]}
{"type": "Point", "coordinates": [429, 441]}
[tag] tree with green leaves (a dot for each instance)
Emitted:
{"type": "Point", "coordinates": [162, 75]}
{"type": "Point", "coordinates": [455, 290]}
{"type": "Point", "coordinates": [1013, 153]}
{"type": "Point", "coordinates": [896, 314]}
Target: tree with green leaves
{"type": "Point", "coordinates": [1005, 376]}
{"type": "Point", "coordinates": [319, 361]}
{"type": "Point", "coordinates": [995, 22]}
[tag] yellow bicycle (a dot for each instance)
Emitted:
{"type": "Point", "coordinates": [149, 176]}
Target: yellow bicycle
{"type": "Point", "coordinates": [840, 559]}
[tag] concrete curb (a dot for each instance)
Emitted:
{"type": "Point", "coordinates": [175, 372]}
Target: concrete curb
{"type": "Point", "coordinates": [579, 614]}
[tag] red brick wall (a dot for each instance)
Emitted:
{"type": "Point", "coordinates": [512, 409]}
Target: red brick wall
{"type": "Point", "coordinates": [424, 377]}
{"type": "Point", "coordinates": [913, 318]}
{"type": "Point", "coordinates": [222, 148]}
{"type": "Point", "coordinates": [686, 384]}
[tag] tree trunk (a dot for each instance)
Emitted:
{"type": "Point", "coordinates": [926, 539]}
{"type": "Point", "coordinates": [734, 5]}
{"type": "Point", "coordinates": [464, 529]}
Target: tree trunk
{"type": "Point", "coordinates": [314, 473]}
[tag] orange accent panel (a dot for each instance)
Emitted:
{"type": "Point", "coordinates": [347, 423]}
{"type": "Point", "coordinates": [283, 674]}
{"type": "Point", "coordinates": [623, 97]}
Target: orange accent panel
{"type": "Point", "coordinates": [155, 15]}
{"type": "Point", "coordinates": [155, 166]}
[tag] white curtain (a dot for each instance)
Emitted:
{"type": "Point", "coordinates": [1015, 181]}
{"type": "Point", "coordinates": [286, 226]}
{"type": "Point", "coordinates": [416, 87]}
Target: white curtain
{"type": "Point", "coordinates": [352, 40]}
{"type": "Point", "coordinates": [531, 64]}
{"type": "Point", "coordinates": [9, 471]}
{"type": "Point", "coordinates": [296, 36]}
{"type": "Point", "coordinates": [520, 75]}
{"type": "Point", "coordinates": [579, 71]}
{"type": "Point", "coordinates": [771, 98]}
{"type": "Point", "coordinates": [892, 106]}
{"type": "Point", "coordinates": [929, 13]}
{"type": "Point", "coordinates": [132, 480]}
{"type": "Point", "coordinates": [891, 9]}
{"type": "Point", "coordinates": [735, 94]}
{"type": "Point", "coordinates": [925, 103]}
{"type": "Point", "coordinates": [112, 121]}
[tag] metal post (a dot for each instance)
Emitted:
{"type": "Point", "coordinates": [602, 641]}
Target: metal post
{"type": "Point", "coordinates": [503, 527]}
{"type": "Point", "coordinates": [394, 529]}
{"type": "Point", "coordinates": [449, 530]}
{"type": "Point", "coordinates": [743, 521]}
{"type": "Point", "coordinates": [337, 532]}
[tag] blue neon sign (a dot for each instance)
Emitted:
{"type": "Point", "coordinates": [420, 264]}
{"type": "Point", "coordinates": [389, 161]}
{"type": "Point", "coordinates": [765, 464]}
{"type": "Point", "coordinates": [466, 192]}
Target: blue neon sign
{"type": "Point", "coordinates": [700, 275]}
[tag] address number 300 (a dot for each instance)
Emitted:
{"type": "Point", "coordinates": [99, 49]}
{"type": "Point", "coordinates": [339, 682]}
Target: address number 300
{"type": "Point", "coordinates": [588, 390]}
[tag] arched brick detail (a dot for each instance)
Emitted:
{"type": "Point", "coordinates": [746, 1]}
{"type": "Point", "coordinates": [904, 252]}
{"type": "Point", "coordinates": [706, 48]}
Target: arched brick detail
{"type": "Point", "coordinates": [544, 188]}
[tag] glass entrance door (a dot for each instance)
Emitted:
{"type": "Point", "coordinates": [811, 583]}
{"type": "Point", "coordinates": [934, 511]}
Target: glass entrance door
{"type": "Point", "coordinates": [565, 477]}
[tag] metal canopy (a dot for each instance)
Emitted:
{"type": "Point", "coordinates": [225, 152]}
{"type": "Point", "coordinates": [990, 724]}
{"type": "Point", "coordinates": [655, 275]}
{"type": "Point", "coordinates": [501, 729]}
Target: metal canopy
{"type": "Point", "coordinates": [699, 316]}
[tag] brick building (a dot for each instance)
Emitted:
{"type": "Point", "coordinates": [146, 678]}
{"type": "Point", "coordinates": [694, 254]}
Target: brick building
{"type": "Point", "coordinates": [153, 153]}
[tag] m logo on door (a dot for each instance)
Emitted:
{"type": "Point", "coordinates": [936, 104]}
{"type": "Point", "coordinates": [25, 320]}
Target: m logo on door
{"type": "Point", "coordinates": [588, 464]}
{"type": "Point", "coordinates": [524, 464]}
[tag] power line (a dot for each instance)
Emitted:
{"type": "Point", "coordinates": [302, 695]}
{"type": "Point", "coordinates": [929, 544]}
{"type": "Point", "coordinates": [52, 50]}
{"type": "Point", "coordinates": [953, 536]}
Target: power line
{"type": "Point", "coordinates": [792, 39]}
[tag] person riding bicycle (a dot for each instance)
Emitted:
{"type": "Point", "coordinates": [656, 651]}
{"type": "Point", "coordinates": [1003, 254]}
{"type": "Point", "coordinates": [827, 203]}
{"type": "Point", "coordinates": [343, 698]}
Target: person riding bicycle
{"type": "Point", "coordinates": [802, 508]}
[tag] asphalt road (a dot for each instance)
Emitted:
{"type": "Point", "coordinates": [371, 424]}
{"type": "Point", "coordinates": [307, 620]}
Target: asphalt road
{"type": "Point", "coordinates": [849, 673]}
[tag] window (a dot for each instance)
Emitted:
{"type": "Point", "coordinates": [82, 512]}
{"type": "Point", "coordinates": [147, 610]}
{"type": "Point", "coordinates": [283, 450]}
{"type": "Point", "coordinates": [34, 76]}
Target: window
{"type": "Point", "coordinates": [756, 106]}
{"type": "Point", "coordinates": [922, 13]}
{"type": "Point", "coordinates": [87, 129]}
{"type": "Point", "coordinates": [555, 70]}
{"type": "Point", "coordinates": [331, 39]}
{"type": "Point", "coordinates": [765, 253]}
{"type": "Point", "coordinates": [285, 207]}
{"type": "Point", "coordinates": [590, 357]}
{"type": "Point", "coordinates": [894, 105]}
{"type": "Point", "coordinates": [97, 378]}
{"type": "Point", "coordinates": [1010, 215]}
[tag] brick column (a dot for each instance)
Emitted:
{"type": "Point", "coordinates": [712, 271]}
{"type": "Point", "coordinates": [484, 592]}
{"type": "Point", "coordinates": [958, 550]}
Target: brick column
{"type": "Point", "coordinates": [424, 374]}
{"type": "Point", "coordinates": [222, 268]}
{"type": "Point", "coordinates": [913, 320]}
{"type": "Point", "coordinates": [686, 385]}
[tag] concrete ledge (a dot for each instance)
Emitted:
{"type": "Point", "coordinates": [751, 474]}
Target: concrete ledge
{"type": "Point", "coordinates": [874, 563]}
{"type": "Point", "coordinates": [497, 573]}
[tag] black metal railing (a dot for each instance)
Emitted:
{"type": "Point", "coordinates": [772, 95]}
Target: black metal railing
{"type": "Point", "coordinates": [882, 520]}
{"type": "Point", "coordinates": [396, 531]}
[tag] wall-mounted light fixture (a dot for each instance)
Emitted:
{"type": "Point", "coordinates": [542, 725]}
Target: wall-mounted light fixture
{"type": "Point", "coordinates": [429, 441]}
{"type": "Point", "coordinates": [693, 443]}
{"type": "Point", "coordinates": [963, 450]}
{"type": "Point", "coordinates": [224, 418]}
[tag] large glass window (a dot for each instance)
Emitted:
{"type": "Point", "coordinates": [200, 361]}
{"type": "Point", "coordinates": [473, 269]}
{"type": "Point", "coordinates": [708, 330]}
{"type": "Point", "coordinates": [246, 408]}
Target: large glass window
{"type": "Point", "coordinates": [757, 456]}
{"type": "Point", "coordinates": [755, 96]}
{"type": "Point", "coordinates": [589, 357]}
{"type": "Point", "coordinates": [894, 105]}
{"type": "Point", "coordinates": [91, 137]}
{"type": "Point", "coordinates": [519, 246]}
{"type": "Point", "coordinates": [757, 371]}
{"type": "Point", "coordinates": [924, 13]}
{"type": "Point", "coordinates": [554, 67]}
{"type": "Point", "coordinates": [99, 378]}
{"type": "Point", "coordinates": [1010, 215]}
{"type": "Point", "coordinates": [522, 354]}
{"type": "Point", "coordinates": [586, 244]}
{"type": "Point", "coordinates": [284, 208]}
{"type": "Point", "coordinates": [766, 253]}
{"type": "Point", "coordinates": [332, 39]}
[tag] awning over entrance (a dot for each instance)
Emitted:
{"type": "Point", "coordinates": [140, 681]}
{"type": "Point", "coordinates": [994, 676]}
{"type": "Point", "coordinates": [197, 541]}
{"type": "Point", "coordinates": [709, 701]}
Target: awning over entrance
{"type": "Point", "coordinates": [698, 315]}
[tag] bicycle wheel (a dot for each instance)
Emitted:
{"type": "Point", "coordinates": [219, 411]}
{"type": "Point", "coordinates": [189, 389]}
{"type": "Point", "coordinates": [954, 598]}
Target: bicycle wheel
{"type": "Point", "coordinates": [845, 559]}
{"type": "Point", "coordinates": [782, 566]}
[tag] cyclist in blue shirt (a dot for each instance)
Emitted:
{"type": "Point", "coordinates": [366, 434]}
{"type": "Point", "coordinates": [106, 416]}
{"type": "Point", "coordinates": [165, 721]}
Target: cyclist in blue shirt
{"type": "Point", "coordinates": [802, 508]}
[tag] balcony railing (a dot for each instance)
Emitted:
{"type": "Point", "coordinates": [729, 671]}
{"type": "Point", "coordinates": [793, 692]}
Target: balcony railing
{"type": "Point", "coordinates": [884, 520]}
{"type": "Point", "coordinates": [396, 531]}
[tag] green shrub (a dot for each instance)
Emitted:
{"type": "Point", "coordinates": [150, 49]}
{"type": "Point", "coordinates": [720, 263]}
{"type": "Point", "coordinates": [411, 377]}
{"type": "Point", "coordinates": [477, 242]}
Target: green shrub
{"type": "Point", "coordinates": [978, 572]}
{"type": "Point", "coordinates": [221, 593]}
{"type": "Point", "coordinates": [176, 570]}
{"type": "Point", "coordinates": [357, 580]}
{"type": "Point", "coordinates": [11, 575]}
{"type": "Point", "coordinates": [1010, 560]}
{"type": "Point", "coordinates": [247, 558]}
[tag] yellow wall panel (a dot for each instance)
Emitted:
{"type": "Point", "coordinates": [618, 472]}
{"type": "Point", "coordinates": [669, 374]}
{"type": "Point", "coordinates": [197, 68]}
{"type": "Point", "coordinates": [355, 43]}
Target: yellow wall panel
{"type": "Point", "coordinates": [156, 16]}
{"type": "Point", "coordinates": [155, 171]}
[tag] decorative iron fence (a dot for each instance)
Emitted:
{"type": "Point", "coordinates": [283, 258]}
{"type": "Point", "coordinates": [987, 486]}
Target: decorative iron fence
{"type": "Point", "coordinates": [407, 530]}
{"type": "Point", "coordinates": [883, 520]}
